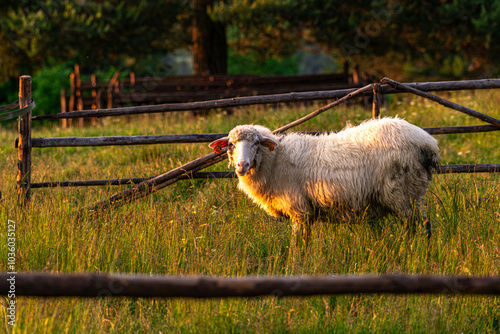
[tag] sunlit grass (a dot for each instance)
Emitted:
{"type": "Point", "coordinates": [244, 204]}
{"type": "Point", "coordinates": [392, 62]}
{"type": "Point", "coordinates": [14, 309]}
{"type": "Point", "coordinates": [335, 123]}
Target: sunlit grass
{"type": "Point", "coordinates": [209, 228]}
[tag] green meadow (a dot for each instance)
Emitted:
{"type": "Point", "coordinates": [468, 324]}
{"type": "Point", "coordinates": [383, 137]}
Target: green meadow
{"type": "Point", "coordinates": [207, 227]}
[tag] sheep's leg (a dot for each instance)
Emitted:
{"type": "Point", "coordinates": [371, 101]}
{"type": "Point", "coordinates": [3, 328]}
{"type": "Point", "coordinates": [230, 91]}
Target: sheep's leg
{"type": "Point", "coordinates": [411, 219]}
{"type": "Point", "coordinates": [306, 232]}
{"type": "Point", "coordinates": [427, 223]}
{"type": "Point", "coordinates": [421, 216]}
{"type": "Point", "coordinates": [412, 216]}
{"type": "Point", "coordinates": [416, 216]}
{"type": "Point", "coordinates": [294, 250]}
{"type": "Point", "coordinates": [296, 234]}
{"type": "Point", "coordinates": [301, 231]}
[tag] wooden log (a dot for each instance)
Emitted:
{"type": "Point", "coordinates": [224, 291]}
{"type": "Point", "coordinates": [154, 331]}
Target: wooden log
{"type": "Point", "coordinates": [125, 140]}
{"type": "Point", "coordinates": [474, 168]}
{"type": "Point", "coordinates": [202, 138]}
{"type": "Point", "coordinates": [445, 169]}
{"type": "Point", "coordinates": [24, 145]}
{"type": "Point", "coordinates": [113, 83]}
{"type": "Point", "coordinates": [376, 101]}
{"type": "Point", "coordinates": [10, 106]}
{"type": "Point", "coordinates": [160, 94]}
{"type": "Point", "coordinates": [78, 94]}
{"type": "Point", "coordinates": [147, 286]}
{"type": "Point", "coordinates": [96, 96]}
{"type": "Point", "coordinates": [93, 82]}
{"type": "Point", "coordinates": [132, 79]}
{"type": "Point", "coordinates": [268, 99]}
{"type": "Point", "coordinates": [446, 103]}
{"type": "Point", "coordinates": [325, 108]}
{"type": "Point", "coordinates": [64, 121]}
{"type": "Point", "coordinates": [130, 181]}
{"type": "Point", "coordinates": [156, 183]}
{"type": "Point", "coordinates": [72, 100]}
{"type": "Point", "coordinates": [461, 129]}
{"type": "Point", "coordinates": [260, 84]}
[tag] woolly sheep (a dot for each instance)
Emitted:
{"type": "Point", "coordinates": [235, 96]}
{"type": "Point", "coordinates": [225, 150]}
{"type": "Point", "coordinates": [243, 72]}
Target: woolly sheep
{"type": "Point", "coordinates": [383, 166]}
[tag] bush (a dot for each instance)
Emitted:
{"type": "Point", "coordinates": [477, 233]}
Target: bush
{"type": "Point", "coordinates": [47, 85]}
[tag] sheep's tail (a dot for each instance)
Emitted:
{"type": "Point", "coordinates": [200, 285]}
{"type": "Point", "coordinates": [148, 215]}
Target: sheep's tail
{"type": "Point", "coordinates": [430, 159]}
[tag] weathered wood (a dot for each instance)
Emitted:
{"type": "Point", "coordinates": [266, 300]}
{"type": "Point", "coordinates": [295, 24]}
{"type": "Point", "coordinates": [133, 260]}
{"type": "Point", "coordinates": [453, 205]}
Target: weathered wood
{"type": "Point", "coordinates": [10, 106]}
{"type": "Point", "coordinates": [275, 98]}
{"type": "Point", "coordinates": [461, 129]}
{"type": "Point", "coordinates": [72, 94]}
{"type": "Point", "coordinates": [376, 101]}
{"type": "Point", "coordinates": [132, 79]}
{"type": "Point", "coordinates": [78, 94]}
{"type": "Point", "coordinates": [323, 109]}
{"type": "Point", "coordinates": [130, 181]}
{"type": "Point", "coordinates": [474, 168]}
{"type": "Point", "coordinates": [446, 103]}
{"type": "Point", "coordinates": [146, 286]}
{"type": "Point", "coordinates": [93, 82]}
{"type": "Point", "coordinates": [125, 140]}
{"type": "Point", "coordinates": [193, 82]}
{"type": "Point", "coordinates": [112, 87]}
{"type": "Point", "coordinates": [64, 121]}
{"type": "Point", "coordinates": [445, 169]}
{"type": "Point", "coordinates": [156, 183]}
{"type": "Point", "coordinates": [24, 145]}
{"type": "Point", "coordinates": [203, 138]}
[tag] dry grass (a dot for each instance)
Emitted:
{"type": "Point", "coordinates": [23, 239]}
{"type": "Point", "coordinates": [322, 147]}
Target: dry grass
{"type": "Point", "coordinates": [209, 228]}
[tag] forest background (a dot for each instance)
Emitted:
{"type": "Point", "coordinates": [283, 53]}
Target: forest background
{"type": "Point", "coordinates": [406, 40]}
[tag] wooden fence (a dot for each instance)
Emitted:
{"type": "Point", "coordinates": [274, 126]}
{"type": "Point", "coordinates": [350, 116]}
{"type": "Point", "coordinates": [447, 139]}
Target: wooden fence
{"type": "Point", "coordinates": [192, 170]}
{"type": "Point", "coordinates": [101, 285]}
{"type": "Point", "coordinates": [98, 285]}
{"type": "Point", "coordinates": [133, 90]}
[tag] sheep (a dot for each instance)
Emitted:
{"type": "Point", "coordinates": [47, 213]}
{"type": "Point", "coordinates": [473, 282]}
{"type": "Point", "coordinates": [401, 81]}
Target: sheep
{"type": "Point", "coordinates": [383, 166]}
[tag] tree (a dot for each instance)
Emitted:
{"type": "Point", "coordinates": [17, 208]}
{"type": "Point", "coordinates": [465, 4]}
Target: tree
{"type": "Point", "coordinates": [209, 41]}
{"type": "Point", "coordinates": [35, 34]}
{"type": "Point", "coordinates": [432, 37]}
{"type": "Point", "coordinates": [107, 32]}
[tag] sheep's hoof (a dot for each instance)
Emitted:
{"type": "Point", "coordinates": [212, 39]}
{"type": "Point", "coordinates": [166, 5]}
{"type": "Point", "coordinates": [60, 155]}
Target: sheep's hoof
{"type": "Point", "coordinates": [428, 228]}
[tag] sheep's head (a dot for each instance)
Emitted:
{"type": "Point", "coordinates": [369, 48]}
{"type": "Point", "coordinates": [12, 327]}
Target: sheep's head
{"type": "Point", "coordinates": [243, 144]}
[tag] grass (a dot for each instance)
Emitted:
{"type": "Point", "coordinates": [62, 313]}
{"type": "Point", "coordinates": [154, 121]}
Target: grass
{"type": "Point", "coordinates": [209, 228]}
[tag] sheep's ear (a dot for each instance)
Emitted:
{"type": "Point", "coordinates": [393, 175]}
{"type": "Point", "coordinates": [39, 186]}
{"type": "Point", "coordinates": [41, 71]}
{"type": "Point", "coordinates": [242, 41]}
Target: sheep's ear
{"type": "Point", "coordinates": [269, 143]}
{"type": "Point", "coordinates": [219, 144]}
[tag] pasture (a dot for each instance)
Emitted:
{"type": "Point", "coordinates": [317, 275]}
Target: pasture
{"type": "Point", "coordinates": [208, 227]}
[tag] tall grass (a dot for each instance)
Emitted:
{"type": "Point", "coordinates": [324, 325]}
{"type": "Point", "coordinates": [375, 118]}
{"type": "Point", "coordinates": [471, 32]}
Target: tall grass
{"type": "Point", "coordinates": [210, 228]}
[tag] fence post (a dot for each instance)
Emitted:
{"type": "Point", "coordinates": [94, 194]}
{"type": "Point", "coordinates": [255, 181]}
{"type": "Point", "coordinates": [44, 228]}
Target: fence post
{"type": "Point", "coordinates": [376, 101]}
{"type": "Point", "coordinates": [78, 94]}
{"type": "Point", "coordinates": [96, 96]}
{"type": "Point", "coordinates": [113, 88]}
{"type": "Point", "coordinates": [64, 121]}
{"type": "Point", "coordinates": [24, 146]}
{"type": "Point", "coordinates": [72, 94]}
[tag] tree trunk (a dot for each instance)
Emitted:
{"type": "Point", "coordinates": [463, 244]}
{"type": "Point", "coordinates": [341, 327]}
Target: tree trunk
{"type": "Point", "coordinates": [209, 42]}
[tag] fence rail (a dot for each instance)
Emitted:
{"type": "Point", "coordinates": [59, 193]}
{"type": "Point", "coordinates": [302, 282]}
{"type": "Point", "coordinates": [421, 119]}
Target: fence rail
{"type": "Point", "coordinates": [269, 99]}
{"type": "Point", "coordinates": [446, 169]}
{"type": "Point", "coordinates": [130, 181]}
{"type": "Point", "coordinates": [100, 285]}
{"type": "Point", "coordinates": [202, 138]}
{"type": "Point", "coordinates": [192, 169]}
{"type": "Point", "coordinates": [188, 88]}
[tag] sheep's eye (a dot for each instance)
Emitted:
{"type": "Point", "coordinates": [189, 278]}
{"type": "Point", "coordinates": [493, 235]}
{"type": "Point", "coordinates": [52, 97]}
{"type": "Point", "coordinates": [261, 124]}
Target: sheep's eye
{"type": "Point", "coordinates": [255, 144]}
